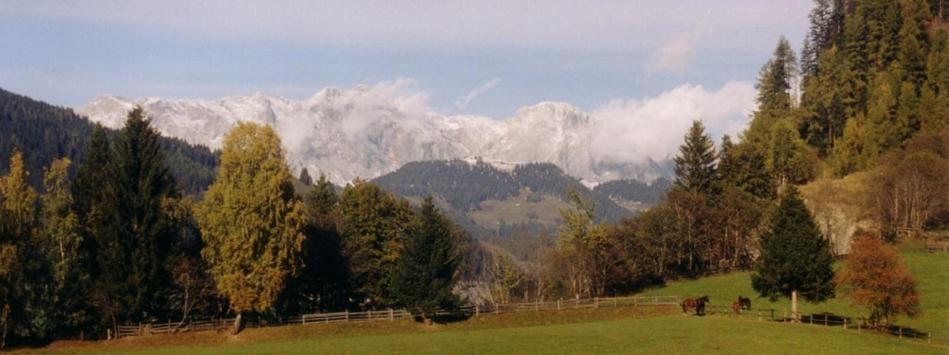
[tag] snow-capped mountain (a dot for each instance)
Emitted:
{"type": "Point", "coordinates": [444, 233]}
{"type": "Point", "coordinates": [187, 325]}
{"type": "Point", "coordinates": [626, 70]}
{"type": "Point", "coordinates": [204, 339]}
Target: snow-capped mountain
{"type": "Point", "coordinates": [358, 132]}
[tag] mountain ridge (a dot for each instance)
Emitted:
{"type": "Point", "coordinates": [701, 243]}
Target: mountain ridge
{"type": "Point", "coordinates": [364, 133]}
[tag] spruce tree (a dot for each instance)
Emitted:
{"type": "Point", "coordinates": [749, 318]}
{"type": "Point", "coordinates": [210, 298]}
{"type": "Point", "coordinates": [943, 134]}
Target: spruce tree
{"type": "Point", "coordinates": [428, 266]}
{"type": "Point", "coordinates": [91, 198]}
{"type": "Point", "coordinates": [373, 227]}
{"type": "Point", "coordinates": [795, 258]}
{"type": "Point", "coordinates": [321, 282]}
{"type": "Point", "coordinates": [305, 178]}
{"type": "Point", "coordinates": [251, 221]}
{"type": "Point", "coordinates": [695, 164]}
{"type": "Point", "coordinates": [139, 182]}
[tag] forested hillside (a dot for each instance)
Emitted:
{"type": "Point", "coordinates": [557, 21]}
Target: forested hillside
{"type": "Point", "coordinates": [45, 132]}
{"type": "Point", "coordinates": [465, 187]}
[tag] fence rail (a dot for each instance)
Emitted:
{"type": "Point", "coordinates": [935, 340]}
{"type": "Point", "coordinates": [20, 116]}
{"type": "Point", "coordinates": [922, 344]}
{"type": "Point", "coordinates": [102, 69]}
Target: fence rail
{"type": "Point", "coordinates": [174, 327]}
{"type": "Point", "coordinates": [828, 320]}
{"type": "Point", "coordinates": [759, 314]}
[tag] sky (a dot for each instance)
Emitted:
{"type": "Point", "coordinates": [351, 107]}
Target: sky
{"type": "Point", "coordinates": [468, 57]}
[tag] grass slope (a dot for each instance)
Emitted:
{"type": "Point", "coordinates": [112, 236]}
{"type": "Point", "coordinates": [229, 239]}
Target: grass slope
{"type": "Point", "coordinates": [931, 271]}
{"type": "Point", "coordinates": [635, 334]}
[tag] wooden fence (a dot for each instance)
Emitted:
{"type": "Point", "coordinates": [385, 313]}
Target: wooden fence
{"type": "Point", "coordinates": [174, 327]}
{"type": "Point", "coordinates": [828, 320]}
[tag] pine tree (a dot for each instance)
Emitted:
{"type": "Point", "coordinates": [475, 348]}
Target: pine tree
{"type": "Point", "coordinates": [695, 164]}
{"type": "Point", "coordinates": [251, 221]}
{"type": "Point", "coordinates": [321, 282]}
{"type": "Point", "coordinates": [428, 267]}
{"type": "Point", "coordinates": [934, 96]}
{"type": "Point", "coordinates": [305, 177]}
{"type": "Point", "coordinates": [795, 257]}
{"type": "Point", "coordinates": [775, 82]}
{"type": "Point", "coordinates": [373, 227]}
{"type": "Point", "coordinates": [912, 56]}
{"type": "Point", "coordinates": [92, 196]}
{"type": "Point", "coordinates": [790, 160]}
{"type": "Point", "coordinates": [882, 131]}
{"type": "Point", "coordinates": [138, 227]}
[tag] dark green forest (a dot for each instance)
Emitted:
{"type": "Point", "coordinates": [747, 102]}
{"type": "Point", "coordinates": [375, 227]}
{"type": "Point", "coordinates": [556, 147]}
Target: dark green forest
{"type": "Point", "coordinates": [43, 132]}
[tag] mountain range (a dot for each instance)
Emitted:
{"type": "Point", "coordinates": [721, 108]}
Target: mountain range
{"type": "Point", "coordinates": [360, 133]}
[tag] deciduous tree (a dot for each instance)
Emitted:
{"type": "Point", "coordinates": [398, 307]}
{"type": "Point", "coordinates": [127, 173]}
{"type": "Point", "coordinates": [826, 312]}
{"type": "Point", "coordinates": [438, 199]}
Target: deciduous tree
{"type": "Point", "coordinates": [874, 277]}
{"type": "Point", "coordinates": [251, 221]}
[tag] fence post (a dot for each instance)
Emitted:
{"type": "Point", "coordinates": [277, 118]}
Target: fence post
{"type": "Point", "coordinates": [477, 310]}
{"type": "Point", "coordinates": [845, 323]}
{"type": "Point", "coordinates": [596, 302]}
{"type": "Point", "coordinates": [347, 315]}
{"type": "Point", "coordinates": [825, 319]}
{"type": "Point", "coordinates": [558, 304]}
{"type": "Point", "coordinates": [900, 331]}
{"type": "Point", "coordinates": [536, 305]}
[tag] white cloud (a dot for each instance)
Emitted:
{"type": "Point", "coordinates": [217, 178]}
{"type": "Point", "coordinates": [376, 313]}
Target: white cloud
{"type": "Point", "coordinates": [674, 57]}
{"type": "Point", "coordinates": [654, 127]}
{"type": "Point", "coordinates": [463, 102]}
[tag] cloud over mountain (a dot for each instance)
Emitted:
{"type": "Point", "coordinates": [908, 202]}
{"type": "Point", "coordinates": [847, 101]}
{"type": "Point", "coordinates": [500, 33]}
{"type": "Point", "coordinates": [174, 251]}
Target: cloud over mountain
{"type": "Point", "coordinates": [369, 130]}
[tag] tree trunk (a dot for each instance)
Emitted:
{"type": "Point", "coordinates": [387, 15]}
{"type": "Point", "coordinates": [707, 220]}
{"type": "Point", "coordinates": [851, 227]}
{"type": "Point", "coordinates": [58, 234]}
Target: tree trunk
{"type": "Point", "coordinates": [237, 324]}
{"type": "Point", "coordinates": [796, 317]}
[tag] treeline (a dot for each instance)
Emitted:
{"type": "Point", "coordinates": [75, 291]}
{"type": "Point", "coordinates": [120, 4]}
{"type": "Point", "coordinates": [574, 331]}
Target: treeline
{"type": "Point", "coordinates": [870, 93]}
{"type": "Point", "coordinates": [465, 186]}
{"type": "Point", "coordinates": [118, 242]}
{"type": "Point", "coordinates": [43, 133]}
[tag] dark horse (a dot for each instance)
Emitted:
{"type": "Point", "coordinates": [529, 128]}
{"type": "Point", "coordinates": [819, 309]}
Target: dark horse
{"type": "Point", "coordinates": [745, 303]}
{"type": "Point", "coordinates": [698, 304]}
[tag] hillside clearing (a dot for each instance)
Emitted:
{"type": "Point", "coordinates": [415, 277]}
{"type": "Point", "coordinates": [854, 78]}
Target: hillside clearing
{"type": "Point", "coordinates": [931, 271]}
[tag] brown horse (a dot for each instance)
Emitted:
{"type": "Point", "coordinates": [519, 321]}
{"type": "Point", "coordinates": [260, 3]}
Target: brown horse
{"type": "Point", "coordinates": [745, 303]}
{"type": "Point", "coordinates": [736, 306]}
{"type": "Point", "coordinates": [698, 304]}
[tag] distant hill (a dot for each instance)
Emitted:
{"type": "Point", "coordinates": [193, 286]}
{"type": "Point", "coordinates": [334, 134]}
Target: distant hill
{"type": "Point", "coordinates": [44, 132]}
{"type": "Point", "coordinates": [489, 201]}
{"type": "Point", "coordinates": [634, 194]}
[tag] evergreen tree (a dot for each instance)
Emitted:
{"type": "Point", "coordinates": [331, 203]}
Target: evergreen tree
{"type": "Point", "coordinates": [91, 198]}
{"type": "Point", "coordinates": [251, 221]}
{"type": "Point", "coordinates": [137, 225]}
{"type": "Point", "coordinates": [826, 104]}
{"type": "Point", "coordinates": [373, 226]}
{"type": "Point", "coordinates": [775, 84]}
{"type": "Point", "coordinates": [305, 178]}
{"type": "Point", "coordinates": [321, 283]}
{"type": "Point", "coordinates": [790, 160]}
{"type": "Point", "coordinates": [745, 168]}
{"type": "Point", "coordinates": [695, 164]}
{"type": "Point", "coordinates": [795, 257]}
{"type": "Point", "coordinates": [428, 267]}
{"type": "Point", "coordinates": [912, 56]}
{"type": "Point", "coordinates": [934, 96]}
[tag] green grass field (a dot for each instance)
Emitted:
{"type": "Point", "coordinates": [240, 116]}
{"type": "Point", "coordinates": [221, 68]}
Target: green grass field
{"type": "Point", "coordinates": [602, 331]}
{"type": "Point", "coordinates": [607, 330]}
{"type": "Point", "coordinates": [931, 271]}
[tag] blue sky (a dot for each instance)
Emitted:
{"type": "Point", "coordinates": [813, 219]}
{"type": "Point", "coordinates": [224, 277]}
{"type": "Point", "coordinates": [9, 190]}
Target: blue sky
{"type": "Point", "coordinates": [488, 57]}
